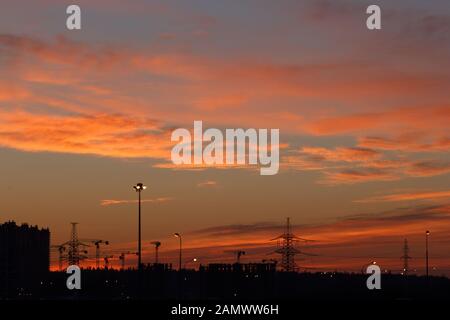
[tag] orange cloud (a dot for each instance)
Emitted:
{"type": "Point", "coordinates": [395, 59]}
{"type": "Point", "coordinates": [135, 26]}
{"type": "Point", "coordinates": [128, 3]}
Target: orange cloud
{"type": "Point", "coordinates": [340, 154]}
{"type": "Point", "coordinates": [201, 86]}
{"type": "Point", "coordinates": [63, 51]}
{"type": "Point", "coordinates": [428, 168]}
{"type": "Point", "coordinates": [99, 134]}
{"type": "Point", "coordinates": [344, 165]}
{"type": "Point", "coordinates": [220, 102]}
{"type": "Point", "coordinates": [211, 84]}
{"type": "Point", "coordinates": [352, 176]}
{"type": "Point", "coordinates": [431, 195]}
{"type": "Point", "coordinates": [406, 142]}
{"type": "Point", "coordinates": [10, 92]}
{"type": "Point", "coordinates": [433, 118]}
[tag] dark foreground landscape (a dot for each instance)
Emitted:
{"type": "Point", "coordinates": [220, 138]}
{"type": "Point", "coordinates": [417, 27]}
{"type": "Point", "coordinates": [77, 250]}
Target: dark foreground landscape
{"type": "Point", "coordinates": [223, 282]}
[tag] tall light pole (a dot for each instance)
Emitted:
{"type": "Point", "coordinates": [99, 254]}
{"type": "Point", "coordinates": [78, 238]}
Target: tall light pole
{"type": "Point", "coordinates": [139, 187]}
{"type": "Point", "coordinates": [179, 237]}
{"type": "Point", "coordinates": [427, 233]}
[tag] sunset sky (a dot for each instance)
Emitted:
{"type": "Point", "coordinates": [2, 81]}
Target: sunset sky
{"type": "Point", "coordinates": [363, 117]}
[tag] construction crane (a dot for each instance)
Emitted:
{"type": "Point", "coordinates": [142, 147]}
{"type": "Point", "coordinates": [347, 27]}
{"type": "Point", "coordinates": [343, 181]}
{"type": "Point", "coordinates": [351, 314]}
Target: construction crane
{"type": "Point", "coordinates": [157, 244]}
{"type": "Point", "coordinates": [122, 257]}
{"type": "Point", "coordinates": [239, 253]}
{"type": "Point", "coordinates": [61, 249]}
{"type": "Point", "coordinates": [97, 244]}
{"type": "Point", "coordinates": [106, 259]}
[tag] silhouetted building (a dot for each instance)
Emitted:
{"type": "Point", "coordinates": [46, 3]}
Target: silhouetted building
{"type": "Point", "coordinates": [241, 267]}
{"type": "Point", "coordinates": [24, 256]}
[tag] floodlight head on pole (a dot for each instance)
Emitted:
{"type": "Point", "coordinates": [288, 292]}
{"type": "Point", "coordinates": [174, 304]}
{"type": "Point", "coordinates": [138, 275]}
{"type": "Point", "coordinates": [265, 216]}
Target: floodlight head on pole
{"type": "Point", "coordinates": [428, 233]}
{"type": "Point", "coordinates": [177, 235]}
{"type": "Point", "coordinates": [139, 187]}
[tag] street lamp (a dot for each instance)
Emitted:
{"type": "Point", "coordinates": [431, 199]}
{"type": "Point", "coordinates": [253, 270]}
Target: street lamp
{"type": "Point", "coordinates": [138, 188]}
{"type": "Point", "coordinates": [177, 235]}
{"type": "Point", "coordinates": [427, 233]}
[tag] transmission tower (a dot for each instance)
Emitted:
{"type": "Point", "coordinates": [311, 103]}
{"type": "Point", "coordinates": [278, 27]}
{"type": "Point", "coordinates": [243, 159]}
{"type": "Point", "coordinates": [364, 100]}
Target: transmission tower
{"type": "Point", "coordinates": [75, 252]}
{"type": "Point", "coordinates": [286, 247]}
{"type": "Point", "coordinates": [405, 257]}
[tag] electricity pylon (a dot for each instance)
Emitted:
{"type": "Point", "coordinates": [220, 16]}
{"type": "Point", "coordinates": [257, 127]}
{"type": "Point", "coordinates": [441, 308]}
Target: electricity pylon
{"type": "Point", "coordinates": [286, 247]}
{"type": "Point", "coordinates": [75, 252]}
{"type": "Point", "coordinates": [405, 257]}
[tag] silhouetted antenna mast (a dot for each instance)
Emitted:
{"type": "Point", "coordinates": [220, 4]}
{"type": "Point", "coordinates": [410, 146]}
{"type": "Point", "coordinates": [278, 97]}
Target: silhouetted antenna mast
{"type": "Point", "coordinates": [405, 258]}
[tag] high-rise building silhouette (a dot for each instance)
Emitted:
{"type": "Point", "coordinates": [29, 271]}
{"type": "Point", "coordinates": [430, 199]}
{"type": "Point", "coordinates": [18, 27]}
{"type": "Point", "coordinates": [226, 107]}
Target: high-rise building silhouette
{"type": "Point", "coordinates": [24, 255]}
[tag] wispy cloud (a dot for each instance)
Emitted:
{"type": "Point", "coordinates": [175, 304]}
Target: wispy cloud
{"type": "Point", "coordinates": [351, 165]}
{"type": "Point", "coordinates": [413, 142]}
{"type": "Point", "coordinates": [207, 183]}
{"type": "Point", "coordinates": [345, 154]}
{"type": "Point", "coordinates": [431, 195]}
{"type": "Point", "coordinates": [87, 117]}
{"type": "Point", "coordinates": [428, 168]}
{"type": "Point", "coordinates": [111, 202]}
{"type": "Point", "coordinates": [352, 176]}
{"type": "Point", "coordinates": [112, 135]}
{"type": "Point", "coordinates": [432, 117]}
